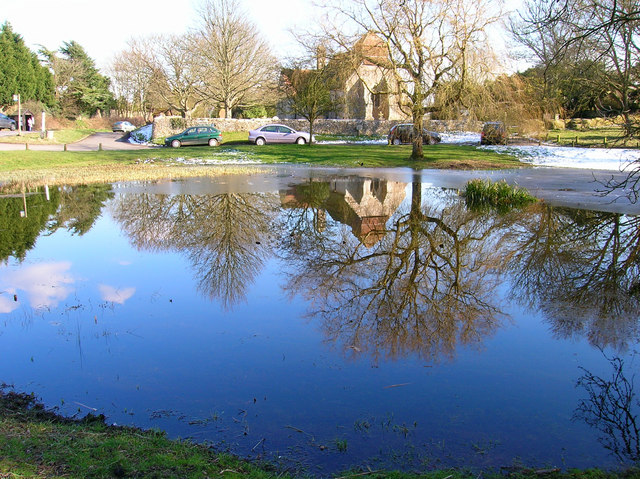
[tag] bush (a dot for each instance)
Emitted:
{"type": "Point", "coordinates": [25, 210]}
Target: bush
{"type": "Point", "coordinates": [178, 123]}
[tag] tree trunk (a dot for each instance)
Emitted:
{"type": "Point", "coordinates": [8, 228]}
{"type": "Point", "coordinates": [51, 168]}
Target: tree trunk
{"type": "Point", "coordinates": [418, 114]}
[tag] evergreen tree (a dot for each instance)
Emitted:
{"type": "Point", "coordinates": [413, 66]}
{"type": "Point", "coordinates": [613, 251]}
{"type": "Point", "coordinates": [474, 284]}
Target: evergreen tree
{"type": "Point", "coordinates": [21, 71]}
{"type": "Point", "coordinates": [87, 90]}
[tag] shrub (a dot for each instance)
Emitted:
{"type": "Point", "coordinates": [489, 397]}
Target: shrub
{"type": "Point", "coordinates": [178, 123]}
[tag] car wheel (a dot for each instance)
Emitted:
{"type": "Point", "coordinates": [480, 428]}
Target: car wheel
{"type": "Point", "coordinates": [213, 142]}
{"type": "Point", "coordinates": [300, 141]}
{"type": "Point", "coordinates": [13, 127]}
{"type": "Point", "coordinates": [176, 143]}
{"type": "Point", "coordinates": [430, 140]}
{"type": "Point", "coordinates": [396, 141]}
{"type": "Point", "coordinates": [260, 141]}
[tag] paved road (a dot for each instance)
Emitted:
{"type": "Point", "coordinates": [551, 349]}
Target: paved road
{"type": "Point", "coordinates": [109, 141]}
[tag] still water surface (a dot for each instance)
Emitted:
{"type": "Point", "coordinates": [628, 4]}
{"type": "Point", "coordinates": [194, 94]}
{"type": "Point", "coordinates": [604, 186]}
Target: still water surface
{"type": "Point", "coordinates": [328, 322]}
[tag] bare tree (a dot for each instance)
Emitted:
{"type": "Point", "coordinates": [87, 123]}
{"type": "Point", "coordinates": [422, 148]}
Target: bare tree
{"type": "Point", "coordinates": [176, 76]}
{"type": "Point", "coordinates": [427, 43]}
{"type": "Point", "coordinates": [599, 33]}
{"type": "Point", "coordinates": [132, 81]}
{"type": "Point", "coordinates": [236, 64]}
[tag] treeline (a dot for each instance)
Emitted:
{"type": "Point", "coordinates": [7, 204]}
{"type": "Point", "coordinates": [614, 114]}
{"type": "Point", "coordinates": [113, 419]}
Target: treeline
{"type": "Point", "coordinates": [64, 81]}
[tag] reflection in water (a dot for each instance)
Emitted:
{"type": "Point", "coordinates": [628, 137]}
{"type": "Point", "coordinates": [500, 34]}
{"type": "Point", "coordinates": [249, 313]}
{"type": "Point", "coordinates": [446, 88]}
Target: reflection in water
{"type": "Point", "coordinates": [363, 204]}
{"type": "Point", "coordinates": [582, 269]}
{"type": "Point", "coordinates": [115, 295]}
{"type": "Point", "coordinates": [426, 287]}
{"type": "Point", "coordinates": [74, 208]}
{"type": "Point", "coordinates": [44, 284]}
{"type": "Point", "coordinates": [390, 270]}
{"type": "Point", "coordinates": [226, 237]}
{"type": "Point", "coordinates": [612, 408]}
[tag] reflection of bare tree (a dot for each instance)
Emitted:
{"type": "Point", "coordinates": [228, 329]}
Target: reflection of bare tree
{"type": "Point", "coordinates": [611, 408]}
{"type": "Point", "coordinates": [426, 287]}
{"type": "Point", "coordinates": [628, 187]}
{"type": "Point", "coordinates": [224, 236]}
{"type": "Point", "coordinates": [582, 269]}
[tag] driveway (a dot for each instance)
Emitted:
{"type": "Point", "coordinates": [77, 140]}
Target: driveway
{"type": "Point", "coordinates": [109, 141]}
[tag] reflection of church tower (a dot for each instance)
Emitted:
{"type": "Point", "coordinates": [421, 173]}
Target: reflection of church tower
{"type": "Point", "coordinates": [364, 204]}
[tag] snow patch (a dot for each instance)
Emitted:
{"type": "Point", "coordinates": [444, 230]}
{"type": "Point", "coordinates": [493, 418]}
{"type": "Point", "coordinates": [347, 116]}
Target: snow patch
{"type": "Point", "coordinates": [572, 157]}
{"type": "Point", "coordinates": [142, 135]}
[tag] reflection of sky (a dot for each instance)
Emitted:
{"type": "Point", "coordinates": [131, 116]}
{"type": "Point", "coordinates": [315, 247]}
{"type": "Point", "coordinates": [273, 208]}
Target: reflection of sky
{"type": "Point", "coordinates": [7, 304]}
{"type": "Point", "coordinates": [267, 357]}
{"type": "Point", "coordinates": [44, 284]}
{"type": "Point", "coordinates": [115, 295]}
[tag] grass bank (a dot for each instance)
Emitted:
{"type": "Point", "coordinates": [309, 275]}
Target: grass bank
{"type": "Point", "coordinates": [604, 137]}
{"type": "Point", "coordinates": [60, 137]}
{"type": "Point", "coordinates": [157, 162]}
{"type": "Point", "coordinates": [37, 443]}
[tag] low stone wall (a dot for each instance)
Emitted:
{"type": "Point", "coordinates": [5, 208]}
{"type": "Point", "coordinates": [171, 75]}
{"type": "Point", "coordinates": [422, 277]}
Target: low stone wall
{"type": "Point", "coordinates": [170, 125]}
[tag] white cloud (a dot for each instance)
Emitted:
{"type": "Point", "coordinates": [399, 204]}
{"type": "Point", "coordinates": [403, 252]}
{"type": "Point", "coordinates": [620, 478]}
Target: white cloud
{"type": "Point", "coordinates": [44, 284]}
{"type": "Point", "coordinates": [115, 295]}
{"type": "Point", "coordinates": [7, 305]}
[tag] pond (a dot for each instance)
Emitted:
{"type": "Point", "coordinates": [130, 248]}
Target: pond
{"type": "Point", "coordinates": [322, 320]}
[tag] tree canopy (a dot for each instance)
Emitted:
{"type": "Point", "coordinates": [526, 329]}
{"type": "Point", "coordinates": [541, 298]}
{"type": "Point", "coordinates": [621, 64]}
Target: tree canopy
{"type": "Point", "coordinates": [21, 72]}
{"type": "Point", "coordinates": [79, 86]}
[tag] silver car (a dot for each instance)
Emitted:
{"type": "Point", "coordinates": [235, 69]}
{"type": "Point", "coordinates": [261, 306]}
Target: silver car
{"type": "Point", "coordinates": [278, 134]}
{"type": "Point", "coordinates": [6, 122]}
{"type": "Point", "coordinates": [123, 126]}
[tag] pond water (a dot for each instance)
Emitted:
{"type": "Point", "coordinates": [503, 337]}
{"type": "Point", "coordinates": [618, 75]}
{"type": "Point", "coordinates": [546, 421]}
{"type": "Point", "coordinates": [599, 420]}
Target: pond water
{"type": "Point", "coordinates": [322, 321]}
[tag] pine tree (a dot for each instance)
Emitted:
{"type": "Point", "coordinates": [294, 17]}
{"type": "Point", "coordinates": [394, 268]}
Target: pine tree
{"type": "Point", "coordinates": [85, 90]}
{"type": "Point", "coordinates": [21, 71]}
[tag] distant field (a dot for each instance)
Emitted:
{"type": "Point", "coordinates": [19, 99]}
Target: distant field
{"type": "Point", "coordinates": [610, 137]}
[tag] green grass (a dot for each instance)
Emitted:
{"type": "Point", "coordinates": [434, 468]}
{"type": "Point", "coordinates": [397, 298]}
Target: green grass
{"type": "Point", "coordinates": [611, 137]}
{"type": "Point", "coordinates": [36, 443]}
{"type": "Point", "coordinates": [89, 166]}
{"type": "Point", "coordinates": [499, 194]}
{"type": "Point", "coordinates": [59, 137]}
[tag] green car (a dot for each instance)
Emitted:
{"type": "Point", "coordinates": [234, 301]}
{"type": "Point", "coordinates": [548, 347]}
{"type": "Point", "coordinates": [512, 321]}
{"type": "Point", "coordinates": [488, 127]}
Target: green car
{"type": "Point", "coordinates": [196, 135]}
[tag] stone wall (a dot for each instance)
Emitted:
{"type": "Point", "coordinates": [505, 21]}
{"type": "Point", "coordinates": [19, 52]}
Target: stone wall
{"type": "Point", "coordinates": [170, 125]}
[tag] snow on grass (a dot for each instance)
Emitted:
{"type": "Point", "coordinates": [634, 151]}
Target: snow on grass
{"type": "Point", "coordinates": [142, 135]}
{"type": "Point", "coordinates": [543, 155]}
{"type": "Point", "coordinates": [572, 157]}
{"type": "Point", "coordinates": [223, 157]}
{"type": "Point", "coordinates": [461, 137]}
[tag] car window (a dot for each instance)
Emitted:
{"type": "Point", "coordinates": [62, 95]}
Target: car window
{"type": "Point", "coordinates": [284, 129]}
{"type": "Point", "coordinates": [270, 129]}
{"type": "Point", "coordinates": [190, 131]}
{"type": "Point", "coordinates": [203, 130]}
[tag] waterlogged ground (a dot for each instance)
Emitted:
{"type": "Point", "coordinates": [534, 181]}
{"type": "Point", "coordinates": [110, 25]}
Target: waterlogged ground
{"type": "Point", "coordinates": [327, 321]}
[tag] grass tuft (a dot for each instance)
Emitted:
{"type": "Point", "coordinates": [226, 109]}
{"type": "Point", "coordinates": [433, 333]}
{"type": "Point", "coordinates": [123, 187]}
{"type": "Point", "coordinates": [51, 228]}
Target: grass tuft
{"type": "Point", "coordinates": [496, 194]}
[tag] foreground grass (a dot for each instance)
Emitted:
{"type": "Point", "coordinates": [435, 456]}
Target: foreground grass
{"type": "Point", "coordinates": [58, 167]}
{"type": "Point", "coordinates": [36, 443]}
